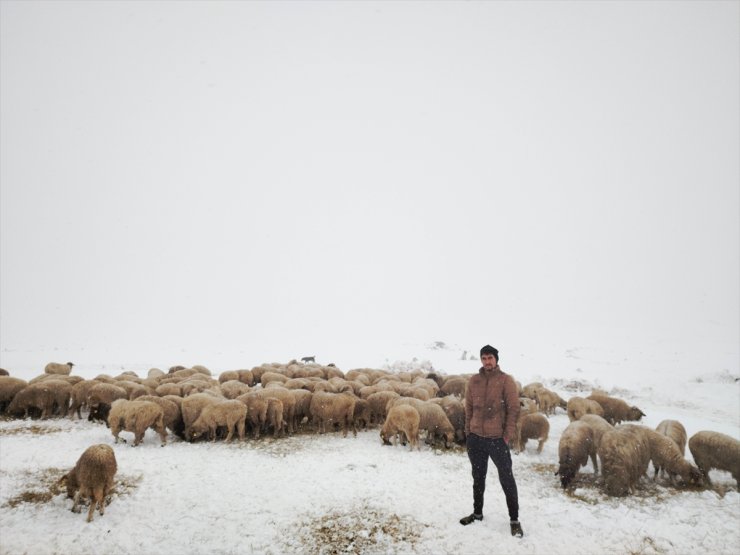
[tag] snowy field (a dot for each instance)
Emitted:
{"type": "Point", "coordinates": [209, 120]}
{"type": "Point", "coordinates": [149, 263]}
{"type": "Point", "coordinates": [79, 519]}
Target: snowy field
{"type": "Point", "coordinates": [328, 494]}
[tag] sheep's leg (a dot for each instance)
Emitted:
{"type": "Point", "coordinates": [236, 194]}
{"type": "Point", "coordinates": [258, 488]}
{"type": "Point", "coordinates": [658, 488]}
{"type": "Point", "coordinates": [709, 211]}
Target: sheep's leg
{"type": "Point", "coordinates": [76, 504]}
{"type": "Point", "coordinates": [541, 444]}
{"type": "Point", "coordinates": [595, 464]}
{"type": "Point", "coordinates": [240, 429]}
{"type": "Point", "coordinates": [230, 428]}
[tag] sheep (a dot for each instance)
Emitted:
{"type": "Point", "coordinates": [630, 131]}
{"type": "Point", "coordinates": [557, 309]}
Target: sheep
{"type": "Point", "coordinates": [169, 389]}
{"type": "Point", "coordinates": [527, 406]}
{"type": "Point", "coordinates": [155, 373]}
{"type": "Point", "coordinates": [9, 387]}
{"type": "Point", "coordinates": [268, 377]}
{"type": "Point", "coordinates": [43, 396]}
{"type": "Point", "coordinates": [59, 368]}
{"type": "Point", "coordinates": [547, 400]}
{"type": "Point", "coordinates": [361, 415]}
{"type": "Point", "coordinates": [172, 414]}
{"type": "Point", "coordinates": [4, 372]}
{"type": "Point", "coordinates": [455, 411]}
{"type": "Point", "coordinates": [256, 411]}
{"type": "Point", "coordinates": [333, 408]}
{"type": "Point", "coordinates": [665, 455]}
{"type": "Point", "coordinates": [92, 477]}
{"type": "Point", "coordinates": [136, 417]}
{"type": "Point", "coordinates": [578, 406]}
{"type": "Point", "coordinates": [401, 419]}
{"type": "Point", "coordinates": [201, 369]}
{"type": "Point", "coordinates": [289, 402]}
{"type": "Point", "coordinates": [616, 410]}
{"type": "Point", "coordinates": [715, 450]}
{"type": "Point", "coordinates": [191, 408]}
{"type": "Point", "coordinates": [432, 419]}
{"type": "Point", "coordinates": [674, 430]}
{"type": "Point", "coordinates": [233, 388]}
{"type": "Point", "coordinates": [378, 403]}
{"type": "Point", "coordinates": [575, 447]}
{"type": "Point", "coordinates": [100, 398]}
{"type": "Point", "coordinates": [530, 390]}
{"type": "Point", "coordinates": [598, 426]}
{"type": "Point", "coordinates": [531, 426]}
{"type": "Point", "coordinates": [79, 395]}
{"type": "Point", "coordinates": [231, 413]}
{"type": "Point", "coordinates": [274, 417]}
{"type": "Point", "coordinates": [455, 385]}
{"type": "Point", "coordinates": [228, 376]}
{"type": "Point", "coordinates": [625, 455]}
{"type": "Point", "coordinates": [133, 389]}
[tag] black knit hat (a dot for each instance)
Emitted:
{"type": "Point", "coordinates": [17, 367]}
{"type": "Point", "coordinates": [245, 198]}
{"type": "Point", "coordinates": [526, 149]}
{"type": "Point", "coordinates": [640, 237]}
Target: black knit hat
{"type": "Point", "coordinates": [488, 350]}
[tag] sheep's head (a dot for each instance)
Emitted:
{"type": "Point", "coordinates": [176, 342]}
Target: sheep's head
{"type": "Point", "coordinates": [694, 478]}
{"type": "Point", "coordinates": [385, 438]}
{"type": "Point", "coordinates": [635, 414]}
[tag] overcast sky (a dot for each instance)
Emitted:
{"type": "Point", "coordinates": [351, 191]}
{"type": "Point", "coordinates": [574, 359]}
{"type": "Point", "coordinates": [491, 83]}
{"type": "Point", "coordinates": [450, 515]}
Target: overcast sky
{"type": "Point", "coordinates": [303, 173]}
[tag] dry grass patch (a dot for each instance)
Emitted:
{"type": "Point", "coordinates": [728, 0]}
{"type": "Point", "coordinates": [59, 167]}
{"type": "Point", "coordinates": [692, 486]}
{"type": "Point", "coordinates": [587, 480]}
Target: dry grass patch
{"type": "Point", "coordinates": [363, 529]}
{"type": "Point", "coordinates": [33, 429]}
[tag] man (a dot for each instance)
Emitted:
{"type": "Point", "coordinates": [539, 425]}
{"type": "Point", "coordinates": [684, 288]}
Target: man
{"type": "Point", "coordinates": [491, 410]}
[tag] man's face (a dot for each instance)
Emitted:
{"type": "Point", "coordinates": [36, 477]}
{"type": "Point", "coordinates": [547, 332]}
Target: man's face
{"type": "Point", "coordinates": [489, 361]}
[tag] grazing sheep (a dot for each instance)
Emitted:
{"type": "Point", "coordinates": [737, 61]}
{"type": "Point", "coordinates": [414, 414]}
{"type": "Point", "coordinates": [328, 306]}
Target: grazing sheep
{"type": "Point", "coordinates": [578, 406]}
{"type": "Point", "coordinates": [547, 400]}
{"type": "Point", "coordinates": [625, 455]}
{"type": "Point", "coordinates": [172, 414]}
{"type": "Point", "coordinates": [616, 410]}
{"type": "Point", "coordinates": [455, 411]}
{"type": "Point", "coordinates": [378, 403]}
{"type": "Point", "coordinates": [4, 372]}
{"type": "Point", "coordinates": [231, 413]}
{"type": "Point", "coordinates": [58, 368]}
{"type": "Point", "coordinates": [432, 419]}
{"type": "Point", "coordinates": [233, 388]}
{"type": "Point", "coordinates": [169, 389]}
{"type": "Point", "coordinates": [665, 455]}
{"type": "Point", "coordinates": [78, 396]}
{"type": "Point", "coordinates": [9, 387]}
{"type": "Point", "coordinates": [401, 419]}
{"type": "Point", "coordinates": [228, 376]}
{"type": "Point", "coordinates": [136, 417]}
{"type": "Point", "coordinates": [256, 411]}
{"type": "Point", "coordinates": [674, 430]}
{"type": "Point", "coordinates": [100, 398]}
{"type": "Point", "coordinates": [530, 390]}
{"type": "Point", "coordinates": [333, 408]}
{"type": "Point", "coordinates": [454, 385]}
{"type": "Point", "coordinates": [598, 426]}
{"type": "Point", "coordinates": [302, 408]}
{"type": "Point", "coordinates": [531, 426]}
{"type": "Point", "coordinates": [362, 414]}
{"type": "Point", "coordinates": [268, 377]}
{"type": "Point", "coordinates": [289, 401]}
{"type": "Point", "coordinates": [191, 408]}
{"type": "Point", "coordinates": [155, 373]}
{"type": "Point", "coordinates": [575, 447]}
{"type": "Point", "coordinates": [92, 477]}
{"type": "Point", "coordinates": [44, 396]}
{"type": "Point", "coordinates": [274, 417]}
{"type": "Point", "coordinates": [715, 450]}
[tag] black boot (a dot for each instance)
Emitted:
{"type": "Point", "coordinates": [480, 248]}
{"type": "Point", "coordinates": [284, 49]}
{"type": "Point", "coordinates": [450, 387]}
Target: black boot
{"type": "Point", "coordinates": [470, 518]}
{"type": "Point", "coordinates": [516, 529]}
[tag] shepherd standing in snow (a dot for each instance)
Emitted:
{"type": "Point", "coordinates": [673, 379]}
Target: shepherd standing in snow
{"type": "Point", "coordinates": [491, 410]}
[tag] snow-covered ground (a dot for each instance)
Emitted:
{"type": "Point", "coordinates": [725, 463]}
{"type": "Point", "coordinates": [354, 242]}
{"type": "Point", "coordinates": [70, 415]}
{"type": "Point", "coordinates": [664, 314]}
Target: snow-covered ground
{"type": "Point", "coordinates": [328, 494]}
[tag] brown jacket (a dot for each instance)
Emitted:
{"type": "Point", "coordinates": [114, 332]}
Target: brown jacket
{"type": "Point", "coordinates": [491, 404]}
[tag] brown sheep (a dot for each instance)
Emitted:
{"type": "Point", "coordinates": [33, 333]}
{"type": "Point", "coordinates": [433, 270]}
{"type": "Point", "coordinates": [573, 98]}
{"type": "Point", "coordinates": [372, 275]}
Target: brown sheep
{"type": "Point", "coordinates": [79, 395]}
{"type": "Point", "coordinates": [362, 414]}
{"type": "Point", "coordinates": [274, 417]}
{"type": "Point", "coordinates": [4, 372]}
{"type": "Point", "coordinates": [598, 426]}
{"type": "Point", "coordinates": [455, 411]}
{"type": "Point", "coordinates": [454, 385]}
{"type": "Point", "coordinates": [547, 400]}
{"type": "Point", "coordinates": [531, 426]}
{"type": "Point", "coordinates": [136, 417]}
{"type": "Point", "coordinates": [575, 447]}
{"type": "Point", "coordinates": [231, 413]}
{"type": "Point", "coordinates": [172, 414]}
{"type": "Point", "coordinates": [715, 450]}
{"type": "Point", "coordinates": [191, 408]}
{"type": "Point", "coordinates": [289, 401]}
{"type": "Point", "coordinates": [616, 410]}
{"type": "Point", "coordinates": [401, 419]}
{"type": "Point", "coordinates": [58, 368]}
{"type": "Point", "coordinates": [233, 388]}
{"type": "Point", "coordinates": [100, 398]}
{"type": "Point", "coordinates": [432, 419]}
{"type": "Point", "coordinates": [44, 396]}
{"type": "Point", "coordinates": [674, 430]}
{"type": "Point", "coordinates": [92, 478]}
{"type": "Point", "coordinates": [333, 409]}
{"type": "Point", "coordinates": [256, 411]}
{"type": "Point", "coordinates": [378, 404]}
{"type": "Point", "coordinates": [9, 387]}
{"type": "Point", "coordinates": [625, 455]}
{"type": "Point", "coordinates": [228, 376]}
{"type": "Point", "coordinates": [665, 455]}
{"type": "Point", "coordinates": [578, 406]}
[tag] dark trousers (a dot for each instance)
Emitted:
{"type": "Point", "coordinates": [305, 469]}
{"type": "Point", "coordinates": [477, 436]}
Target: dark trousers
{"type": "Point", "coordinates": [479, 450]}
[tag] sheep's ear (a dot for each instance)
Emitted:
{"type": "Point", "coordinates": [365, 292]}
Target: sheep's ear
{"type": "Point", "coordinates": [63, 479]}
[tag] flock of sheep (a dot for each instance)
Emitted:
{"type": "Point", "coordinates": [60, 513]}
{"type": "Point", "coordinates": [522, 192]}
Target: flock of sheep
{"type": "Point", "coordinates": [281, 399]}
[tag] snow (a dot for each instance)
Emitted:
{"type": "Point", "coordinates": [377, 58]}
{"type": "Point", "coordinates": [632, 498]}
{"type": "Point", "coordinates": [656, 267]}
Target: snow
{"type": "Point", "coordinates": [328, 494]}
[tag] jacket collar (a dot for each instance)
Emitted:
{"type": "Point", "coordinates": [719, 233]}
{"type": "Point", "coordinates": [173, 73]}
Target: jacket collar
{"type": "Point", "coordinates": [495, 372]}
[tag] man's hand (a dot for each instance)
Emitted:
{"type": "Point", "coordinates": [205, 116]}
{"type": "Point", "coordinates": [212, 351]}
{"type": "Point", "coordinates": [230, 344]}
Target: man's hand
{"type": "Point", "coordinates": [506, 441]}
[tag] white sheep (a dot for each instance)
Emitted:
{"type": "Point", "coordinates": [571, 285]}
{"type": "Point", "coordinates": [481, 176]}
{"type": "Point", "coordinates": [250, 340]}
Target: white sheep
{"type": "Point", "coordinates": [665, 455]}
{"type": "Point", "coordinates": [715, 450]}
{"type": "Point", "coordinates": [231, 413]}
{"type": "Point", "coordinates": [136, 417]}
{"type": "Point", "coordinates": [674, 430]}
{"type": "Point", "coordinates": [575, 447]}
{"type": "Point", "coordinates": [92, 477]}
{"type": "Point", "coordinates": [616, 410]}
{"type": "Point", "coordinates": [531, 426]}
{"type": "Point", "coordinates": [59, 368]}
{"type": "Point", "coordinates": [578, 406]}
{"type": "Point", "coordinates": [401, 419]}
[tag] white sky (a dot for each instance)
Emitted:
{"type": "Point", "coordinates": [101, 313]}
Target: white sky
{"type": "Point", "coordinates": [226, 174]}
